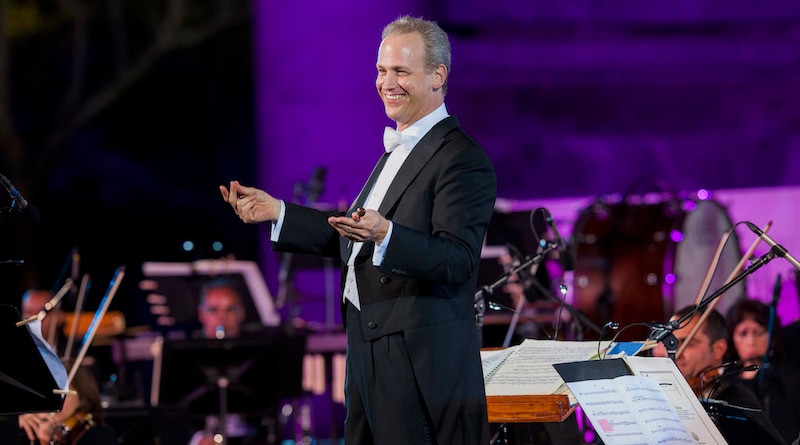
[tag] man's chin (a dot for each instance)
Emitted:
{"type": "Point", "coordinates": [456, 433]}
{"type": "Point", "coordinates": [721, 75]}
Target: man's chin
{"type": "Point", "coordinates": [391, 113]}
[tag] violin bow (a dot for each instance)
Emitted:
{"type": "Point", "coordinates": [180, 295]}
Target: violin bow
{"type": "Point", "coordinates": [731, 276]}
{"type": "Point", "coordinates": [73, 329]}
{"type": "Point", "coordinates": [98, 315]}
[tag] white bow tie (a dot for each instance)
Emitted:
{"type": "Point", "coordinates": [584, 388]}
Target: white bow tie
{"type": "Point", "coordinates": [392, 139]}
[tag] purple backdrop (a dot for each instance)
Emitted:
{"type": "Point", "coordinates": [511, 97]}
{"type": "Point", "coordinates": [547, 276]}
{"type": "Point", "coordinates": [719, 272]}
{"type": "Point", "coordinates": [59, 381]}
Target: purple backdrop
{"type": "Point", "coordinates": [568, 99]}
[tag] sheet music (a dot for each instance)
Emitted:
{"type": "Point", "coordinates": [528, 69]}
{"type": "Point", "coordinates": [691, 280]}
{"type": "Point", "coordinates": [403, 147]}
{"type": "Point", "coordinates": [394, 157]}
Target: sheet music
{"type": "Point", "coordinates": [528, 369]}
{"type": "Point", "coordinates": [51, 359]}
{"type": "Point", "coordinates": [490, 360]}
{"type": "Point", "coordinates": [630, 410]}
{"type": "Point", "coordinates": [680, 397]}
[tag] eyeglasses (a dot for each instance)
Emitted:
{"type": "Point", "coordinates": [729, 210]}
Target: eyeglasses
{"type": "Point", "coordinates": [221, 310]}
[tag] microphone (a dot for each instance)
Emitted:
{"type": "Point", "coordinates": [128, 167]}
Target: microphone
{"type": "Point", "coordinates": [613, 325]}
{"type": "Point", "coordinates": [565, 255]}
{"type": "Point", "coordinates": [219, 332]}
{"type": "Point", "coordinates": [18, 201]}
{"type": "Point", "coordinates": [780, 250]}
{"type": "Point", "coordinates": [717, 382]}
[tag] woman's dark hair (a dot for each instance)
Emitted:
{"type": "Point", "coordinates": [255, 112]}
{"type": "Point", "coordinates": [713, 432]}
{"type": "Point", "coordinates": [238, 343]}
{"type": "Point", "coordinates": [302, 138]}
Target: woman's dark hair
{"type": "Point", "coordinates": [85, 385]}
{"type": "Point", "coordinates": [747, 309]}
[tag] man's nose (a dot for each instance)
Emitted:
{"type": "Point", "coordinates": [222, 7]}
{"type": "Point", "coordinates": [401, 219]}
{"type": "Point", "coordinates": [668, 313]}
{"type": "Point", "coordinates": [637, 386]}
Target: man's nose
{"type": "Point", "coordinates": [390, 80]}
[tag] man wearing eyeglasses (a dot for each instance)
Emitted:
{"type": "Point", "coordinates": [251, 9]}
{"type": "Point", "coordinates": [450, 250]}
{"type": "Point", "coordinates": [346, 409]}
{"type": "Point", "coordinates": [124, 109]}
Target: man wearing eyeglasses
{"type": "Point", "coordinates": [220, 311]}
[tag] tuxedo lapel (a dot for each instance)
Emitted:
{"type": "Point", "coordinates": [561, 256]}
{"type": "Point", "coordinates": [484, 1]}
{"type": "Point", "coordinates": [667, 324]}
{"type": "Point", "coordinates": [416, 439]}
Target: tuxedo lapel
{"type": "Point", "coordinates": [373, 177]}
{"type": "Point", "coordinates": [346, 245]}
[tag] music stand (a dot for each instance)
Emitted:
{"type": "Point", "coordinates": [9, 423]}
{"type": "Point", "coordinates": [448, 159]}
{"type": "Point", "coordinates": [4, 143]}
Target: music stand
{"type": "Point", "coordinates": [174, 290]}
{"type": "Point", "coordinates": [246, 375]}
{"type": "Point", "coordinates": [26, 382]}
{"type": "Point", "coordinates": [741, 425]}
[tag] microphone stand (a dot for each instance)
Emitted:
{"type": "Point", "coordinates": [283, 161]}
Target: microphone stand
{"type": "Point", "coordinates": [487, 290]}
{"type": "Point", "coordinates": [664, 333]}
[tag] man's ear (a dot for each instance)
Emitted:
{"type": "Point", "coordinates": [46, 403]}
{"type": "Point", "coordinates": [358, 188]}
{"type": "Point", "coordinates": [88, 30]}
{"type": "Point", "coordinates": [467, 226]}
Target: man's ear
{"type": "Point", "coordinates": [439, 76]}
{"type": "Point", "coordinates": [718, 349]}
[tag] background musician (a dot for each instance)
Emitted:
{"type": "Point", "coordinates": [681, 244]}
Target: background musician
{"type": "Point", "coordinates": [80, 421]}
{"type": "Point", "coordinates": [701, 361]}
{"type": "Point", "coordinates": [222, 315]}
{"type": "Point", "coordinates": [777, 382]}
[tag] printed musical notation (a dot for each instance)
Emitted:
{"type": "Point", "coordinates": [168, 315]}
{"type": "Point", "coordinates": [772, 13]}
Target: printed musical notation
{"type": "Point", "coordinates": [649, 417]}
{"type": "Point", "coordinates": [528, 367]}
{"type": "Point", "coordinates": [653, 406]}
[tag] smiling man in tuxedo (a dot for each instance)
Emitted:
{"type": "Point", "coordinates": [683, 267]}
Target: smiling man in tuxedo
{"type": "Point", "coordinates": [410, 247]}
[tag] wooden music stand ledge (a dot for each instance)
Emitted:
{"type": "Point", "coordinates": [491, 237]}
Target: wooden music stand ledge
{"type": "Point", "coordinates": [529, 408]}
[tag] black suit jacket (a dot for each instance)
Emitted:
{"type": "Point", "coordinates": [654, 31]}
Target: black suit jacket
{"type": "Point", "coordinates": [440, 204]}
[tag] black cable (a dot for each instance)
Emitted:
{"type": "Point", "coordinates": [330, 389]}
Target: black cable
{"type": "Point", "coordinates": [614, 339]}
{"type": "Point", "coordinates": [717, 383]}
{"type": "Point", "coordinates": [611, 324]}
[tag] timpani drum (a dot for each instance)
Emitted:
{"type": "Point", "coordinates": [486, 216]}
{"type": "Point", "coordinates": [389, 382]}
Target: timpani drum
{"type": "Point", "coordinates": [640, 260]}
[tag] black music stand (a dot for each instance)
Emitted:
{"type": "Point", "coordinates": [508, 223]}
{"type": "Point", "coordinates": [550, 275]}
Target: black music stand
{"type": "Point", "coordinates": [26, 382]}
{"type": "Point", "coordinates": [247, 375]}
{"type": "Point", "coordinates": [741, 425]}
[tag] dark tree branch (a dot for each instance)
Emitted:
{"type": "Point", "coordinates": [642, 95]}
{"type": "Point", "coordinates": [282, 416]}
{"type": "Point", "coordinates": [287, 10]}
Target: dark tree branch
{"type": "Point", "coordinates": [170, 36]}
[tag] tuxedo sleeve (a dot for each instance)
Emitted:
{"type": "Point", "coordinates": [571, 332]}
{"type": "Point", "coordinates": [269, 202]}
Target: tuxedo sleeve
{"type": "Point", "coordinates": [306, 230]}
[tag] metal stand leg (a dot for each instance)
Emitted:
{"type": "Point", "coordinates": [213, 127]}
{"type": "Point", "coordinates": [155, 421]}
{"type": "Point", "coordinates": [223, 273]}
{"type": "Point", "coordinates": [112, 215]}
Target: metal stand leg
{"type": "Point", "coordinates": [222, 384]}
{"type": "Point", "coordinates": [502, 435]}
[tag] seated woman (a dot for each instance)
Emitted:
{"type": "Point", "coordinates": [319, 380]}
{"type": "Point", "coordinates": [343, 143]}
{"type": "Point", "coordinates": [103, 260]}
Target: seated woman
{"type": "Point", "coordinates": [80, 421]}
{"type": "Point", "coordinates": [777, 382]}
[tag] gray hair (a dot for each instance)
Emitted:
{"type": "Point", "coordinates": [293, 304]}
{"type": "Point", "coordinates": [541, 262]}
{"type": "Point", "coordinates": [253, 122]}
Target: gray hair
{"type": "Point", "coordinates": [437, 44]}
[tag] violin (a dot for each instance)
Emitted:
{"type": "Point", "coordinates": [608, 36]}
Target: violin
{"type": "Point", "coordinates": [113, 323]}
{"type": "Point", "coordinates": [72, 428]}
{"type": "Point", "coordinates": [702, 381]}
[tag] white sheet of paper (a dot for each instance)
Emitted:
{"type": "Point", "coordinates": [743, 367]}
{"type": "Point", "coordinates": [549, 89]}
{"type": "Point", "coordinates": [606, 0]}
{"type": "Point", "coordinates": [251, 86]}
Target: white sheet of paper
{"type": "Point", "coordinates": [630, 410]}
{"type": "Point", "coordinates": [529, 369]}
{"type": "Point", "coordinates": [680, 396]}
{"type": "Point", "coordinates": [51, 359]}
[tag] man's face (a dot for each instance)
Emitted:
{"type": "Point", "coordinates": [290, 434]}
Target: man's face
{"type": "Point", "coordinates": [221, 309]}
{"type": "Point", "coordinates": [407, 90]}
{"type": "Point", "coordinates": [699, 354]}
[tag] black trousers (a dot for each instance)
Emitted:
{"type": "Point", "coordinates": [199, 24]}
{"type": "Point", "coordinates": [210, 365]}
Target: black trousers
{"type": "Point", "coordinates": [383, 402]}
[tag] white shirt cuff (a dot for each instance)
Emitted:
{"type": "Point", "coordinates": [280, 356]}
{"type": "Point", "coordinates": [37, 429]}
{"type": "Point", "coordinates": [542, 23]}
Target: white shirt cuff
{"type": "Point", "coordinates": [275, 234]}
{"type": "Point", "coordinates": [380, 249]}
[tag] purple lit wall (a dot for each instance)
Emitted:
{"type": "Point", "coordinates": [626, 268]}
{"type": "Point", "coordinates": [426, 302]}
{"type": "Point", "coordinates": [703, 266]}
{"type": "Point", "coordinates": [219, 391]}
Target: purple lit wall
{"type": "Point", "coordinates": [568, 98]}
